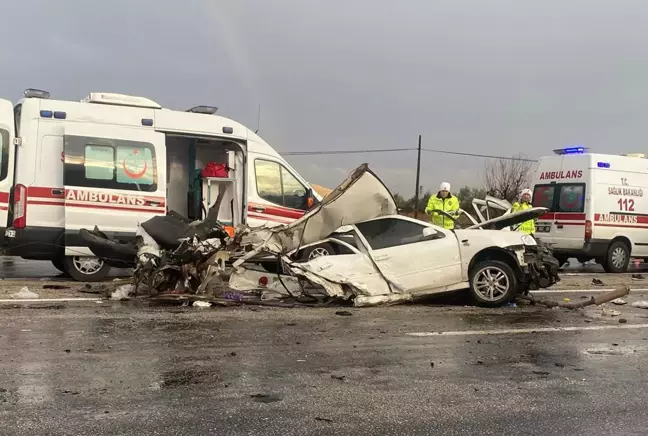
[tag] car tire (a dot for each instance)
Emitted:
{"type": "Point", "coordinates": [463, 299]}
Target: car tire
{"type": "Point", "coordinates": [86, 268]}
{"type": "Point", "coordinates": [617, 258]}
{"type": "Point", "coordinates": [500, 291]}
{"type": "Point", "coordinates": [59, 264]}
{"type": "Point", "coordinates": [310, 253]}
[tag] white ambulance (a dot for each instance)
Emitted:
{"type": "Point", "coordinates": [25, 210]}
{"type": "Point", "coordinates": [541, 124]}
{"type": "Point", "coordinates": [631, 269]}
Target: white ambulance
{"type": "Point", "coordinates": [115, 160]}
{"type": "Point", "coordinates": [598, 206]}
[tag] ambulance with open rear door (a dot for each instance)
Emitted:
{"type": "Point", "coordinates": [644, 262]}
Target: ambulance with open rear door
{"type": "Point", "coordinates": [114, 160]}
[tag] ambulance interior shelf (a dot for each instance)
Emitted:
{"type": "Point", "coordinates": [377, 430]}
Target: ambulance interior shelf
{"type": "Point", "coordinates": [223, 185]}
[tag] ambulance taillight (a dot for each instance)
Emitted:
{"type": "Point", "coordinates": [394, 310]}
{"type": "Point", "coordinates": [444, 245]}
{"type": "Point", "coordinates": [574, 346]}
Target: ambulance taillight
{"type": "Point", "coordinates": [20, 207]}
{"type": "Point", "coordinates": [588, 230]}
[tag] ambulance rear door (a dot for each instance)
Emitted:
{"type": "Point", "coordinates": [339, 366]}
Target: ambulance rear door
{"type": "Point", "coordinates": [114, 179]}
{"type": "Point", "coordinates": [7, 148]}
{"type": "Point", "coordinates": [563, 189]}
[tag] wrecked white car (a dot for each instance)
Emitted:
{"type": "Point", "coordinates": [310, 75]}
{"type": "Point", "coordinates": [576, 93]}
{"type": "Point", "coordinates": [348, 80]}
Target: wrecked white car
{"type": "Point", "coordinates": [396, 258]}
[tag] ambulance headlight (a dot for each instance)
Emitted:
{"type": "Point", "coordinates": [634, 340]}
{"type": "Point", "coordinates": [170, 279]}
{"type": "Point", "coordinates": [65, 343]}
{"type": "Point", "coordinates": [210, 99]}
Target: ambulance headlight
{"type": "Point", "coordinates": [529, 240]}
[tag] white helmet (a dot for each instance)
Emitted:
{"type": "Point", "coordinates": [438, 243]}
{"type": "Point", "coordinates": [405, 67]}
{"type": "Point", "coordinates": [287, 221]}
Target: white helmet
{"type": "Point", "coordinates": [525, 192]}
{"type": "Point", "coordinates": [445, 186]}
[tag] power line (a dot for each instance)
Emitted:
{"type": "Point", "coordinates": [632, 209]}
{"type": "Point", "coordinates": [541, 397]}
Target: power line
{"type": "Point", "coordinates": [390, 150]}
{"type": "Point", "coordinates": [311, 153]}
{"type": "Point", "coordinates": [488, 156]}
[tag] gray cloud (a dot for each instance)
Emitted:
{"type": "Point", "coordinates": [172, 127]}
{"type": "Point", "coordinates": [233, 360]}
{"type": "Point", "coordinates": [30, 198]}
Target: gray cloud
{"type": "Point", "coordinates": [497, 76]}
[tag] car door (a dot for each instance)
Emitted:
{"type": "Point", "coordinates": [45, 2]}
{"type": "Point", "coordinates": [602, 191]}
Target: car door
{"type": "Point", "coordinates": [278, 196]}
{"type": "Point", "coordinates": [114, 179]}
{"type": "Point", "coordinates": [7, 148]}
{"type": "Point", "coordinates": [408, 258]}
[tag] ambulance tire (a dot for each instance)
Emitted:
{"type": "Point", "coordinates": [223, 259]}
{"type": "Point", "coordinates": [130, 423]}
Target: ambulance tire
{"type": "Point", "coordinates": [78, 268]}
{"type": "Point", "coordinates": [59, 264]}
{"type": "Point", "coordinates": [617, 258]}
{"type": "Point", "coordinates": [561, 260]}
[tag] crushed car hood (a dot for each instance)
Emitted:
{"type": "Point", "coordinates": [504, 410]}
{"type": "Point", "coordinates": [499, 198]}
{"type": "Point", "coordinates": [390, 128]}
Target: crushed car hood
{"type": "Point", "coordinates": [361, 197]}
{"type": "Point", "coordinates": [511, 219]}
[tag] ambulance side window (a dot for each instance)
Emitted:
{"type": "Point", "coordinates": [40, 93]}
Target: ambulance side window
{"type": "Point", "coordinates": [99, 162]}
{"type": "Point", "coordinates": [572, 198]}
{"type": "Point", "coordinates": [543, 196]}
{"type": "Point", "coordinates": [277, 185]}
{"type": "Point", "coordinates": [4, 153]}
{"type": "Point", "coordinates": [110, 164]}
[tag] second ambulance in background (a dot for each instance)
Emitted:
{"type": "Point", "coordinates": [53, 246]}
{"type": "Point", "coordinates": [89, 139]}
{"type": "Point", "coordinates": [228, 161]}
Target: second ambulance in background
{"type": "Point", "coordinates": [598, 206]}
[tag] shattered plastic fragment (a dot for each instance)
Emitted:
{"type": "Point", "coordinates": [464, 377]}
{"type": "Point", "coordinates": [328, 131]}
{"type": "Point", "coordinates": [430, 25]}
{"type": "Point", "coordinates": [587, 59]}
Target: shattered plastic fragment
{"type": "Point", "coordinates": [234, 296]}
{"type": "Point", "coordinates": [123, 292]}
{"type": "Point", "coordinates": [640, 304]}
{"type": "Point", "coordinates": [201, 304]}
{"type": "Point", "coordinates": [24, 294]}
{"type": "Point", "coordinates": [609, 312]}
{"type": "Point", "coordinates": [619, 302]}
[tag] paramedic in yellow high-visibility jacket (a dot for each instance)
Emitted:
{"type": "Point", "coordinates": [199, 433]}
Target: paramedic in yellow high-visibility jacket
{"type": "Point", "coordinates": [527, 227]}
{"type": "Point", "coordinates": [446, 202]}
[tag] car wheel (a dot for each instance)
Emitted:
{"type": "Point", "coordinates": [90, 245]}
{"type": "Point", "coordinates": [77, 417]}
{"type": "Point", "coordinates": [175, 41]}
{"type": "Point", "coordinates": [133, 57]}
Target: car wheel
{"type": "Point", "coordinates": [492, 283]}
{"type": "Point", "coordinates": [59, 264]}
{"type": "Point", "coordinates": [319, 250]}
{"type": "Point", "coordinates": [86, 268]}
{"type": "Point", "coordinates": [617, 258]}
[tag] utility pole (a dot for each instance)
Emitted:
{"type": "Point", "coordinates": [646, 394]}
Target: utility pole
{"type": "Point", "coordinates": [418, 180]}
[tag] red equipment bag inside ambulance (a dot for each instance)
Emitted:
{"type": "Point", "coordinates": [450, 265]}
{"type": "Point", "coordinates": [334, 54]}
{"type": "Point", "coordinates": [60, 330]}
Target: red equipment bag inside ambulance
{"type": "Point", "coordinates": [213, 169]}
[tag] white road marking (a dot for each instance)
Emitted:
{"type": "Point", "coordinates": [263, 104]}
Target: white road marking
{"type": "Point", "coordinates": [45, 300]}
{"type": "Point", "coordinates": [530, 330]}
{"type": "Point", "coordinates": [566, 291]}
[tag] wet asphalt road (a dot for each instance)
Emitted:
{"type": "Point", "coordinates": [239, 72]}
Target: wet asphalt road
{"type": "Point", "coordinates": [15, 267]}
{"type": "Point", "coordinates": [131, 369]}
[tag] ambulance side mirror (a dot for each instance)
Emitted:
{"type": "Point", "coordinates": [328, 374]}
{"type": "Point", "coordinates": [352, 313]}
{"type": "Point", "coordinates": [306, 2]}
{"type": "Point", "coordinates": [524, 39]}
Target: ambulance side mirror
{"type": "Point", "coordinates": [310, 199]}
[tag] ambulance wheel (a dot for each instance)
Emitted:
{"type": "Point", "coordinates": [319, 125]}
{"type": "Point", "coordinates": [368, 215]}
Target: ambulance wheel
{"type": "Point", "coordinates": [561, 260]}
{"type": "Point", "coordinates": [59, 264]}
{"type": "Point", "coordinates": [617, 258]}
{"type": "Point", "coordinates": [86, 268]}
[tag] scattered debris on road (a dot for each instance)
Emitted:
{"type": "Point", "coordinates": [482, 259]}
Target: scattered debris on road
{"type": "Point", "coordinates": [610, 312]}
{"type": "Point", "coordinates": [25, 294]}
{"type": "Point", "coordinates": [123, 292]}
{"type": "Point", "coordinates": [597, 300]}
{"type": "Point", "coordinates": [640, 304]}
{"type": "Point", "coordinates": [619, 301]}
{"type": "Point", "coordinates": [597, 282]}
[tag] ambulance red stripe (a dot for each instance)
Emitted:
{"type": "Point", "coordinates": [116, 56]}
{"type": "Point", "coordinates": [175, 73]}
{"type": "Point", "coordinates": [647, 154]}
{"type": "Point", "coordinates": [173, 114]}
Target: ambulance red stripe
{"type": "Point", "coordinates": [563, 216]}
{"type": "Point", "coordinates": [278, 211]}
{"type": "Point", "coordinates": [272, 218]}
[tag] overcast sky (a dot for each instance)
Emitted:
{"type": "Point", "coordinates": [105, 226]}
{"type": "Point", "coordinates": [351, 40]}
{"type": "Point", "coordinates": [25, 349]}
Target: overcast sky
{"type": "Point", "coordinates": [487, 76]}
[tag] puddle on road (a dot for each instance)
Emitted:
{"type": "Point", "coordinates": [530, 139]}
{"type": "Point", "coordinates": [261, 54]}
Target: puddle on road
{"type": "Point", "coordinates": [542, 318]}
{"type": "Point", "coordinates": [186, 377]}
